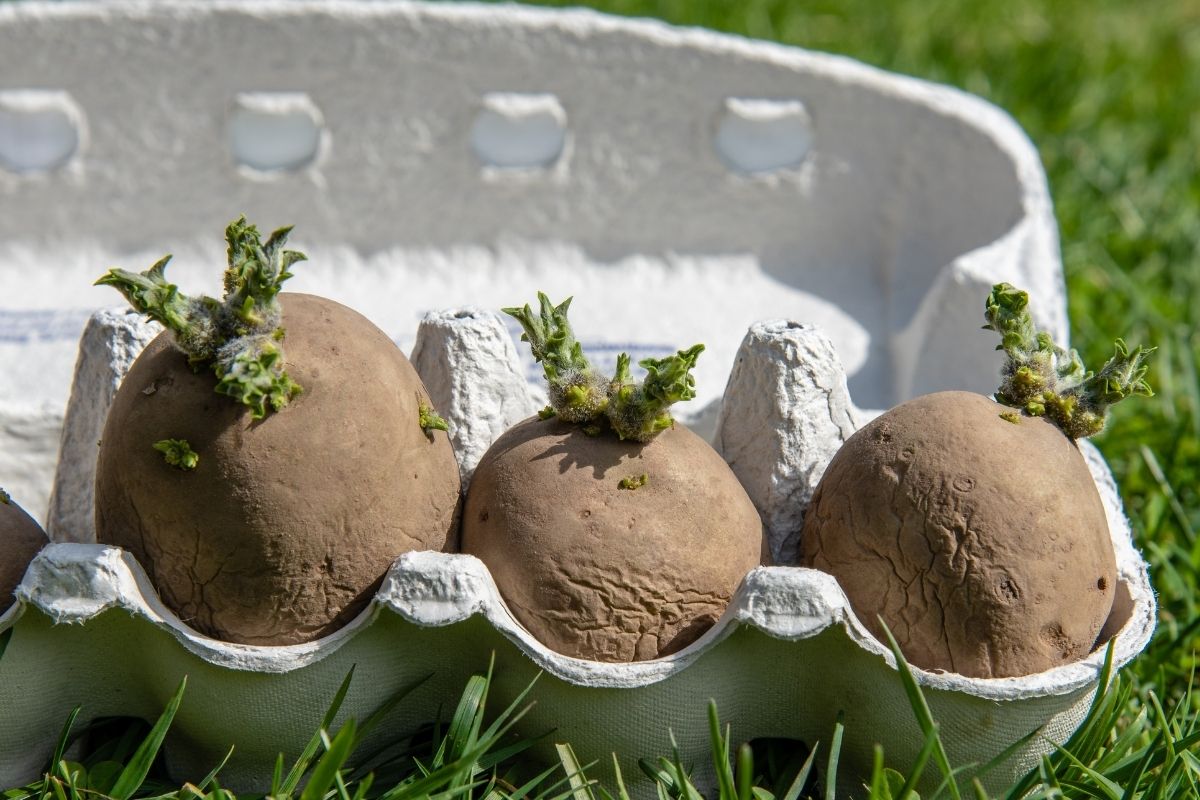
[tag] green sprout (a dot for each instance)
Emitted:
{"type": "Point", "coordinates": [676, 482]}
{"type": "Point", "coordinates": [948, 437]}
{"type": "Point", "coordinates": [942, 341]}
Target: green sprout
{"type": "Point", "coordinates": [581, 394]}
{"type": "Point", "coordinates": [178, 453]}
{"type": "Point", "coordinates": [634, 481]}
{"type": "Point", "coordinates": [578, 393]}
{"type": "Point", "coordinates": [239, 337]}
{"type": "Point", "coordinates": [430, 420]}
{"type": "Point", "coordinates": [639, 411]}
{"type": "Point", "coordinates": [1042, 379]}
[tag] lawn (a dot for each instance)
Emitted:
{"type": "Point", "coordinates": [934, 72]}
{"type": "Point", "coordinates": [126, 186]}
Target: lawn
{"type": "Point", "coordinates": [1109, 92]}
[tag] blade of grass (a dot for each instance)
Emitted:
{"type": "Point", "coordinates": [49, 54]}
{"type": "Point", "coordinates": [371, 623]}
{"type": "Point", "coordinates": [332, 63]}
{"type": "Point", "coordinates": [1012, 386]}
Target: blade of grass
{"type": "Point", "coordinates": [835, 751]}
{"type": "Point", "coordinates": [793, 792]}
{"type": "Point", "coordinates": [1049, 778]}
{"type": "Point", "coordinates": [683, 783]}
{"type": "Point", "coordinates": [464, 726]}
{"type": "Point", "coordinates": [61, 745]}
{"type": "Point", "coordinates": [921, 710]}
{"type": "Point", "coordinates": [71, 773]}
{"type": "Point", "coordinates": [138, 768]}
{"type": "Point", "coordinates": [325, 772]}
{"type": "Point", "coordinates": [277, 777]}
{"type": "Point", "coordinates": [622, 791]}
{"type": "Point", "coordinates": [212, 775]}
{"type": "Point", "coordinates": [1006, 753]}
{"type": "Point", "coordinates": [364, 784]}
{"type": "Point", "coordinates": [720, 753]}
{"type": "Point", "coordinates": [495, 757]}
{"type": "Point", "coordinates": [1110, 790]}
{"type": "Point", "coordinates": [189, 791]}
{"type": "Point", "coordinates": [1164, 485]}
{"type": "Point", "coordinates": [661, 773]}
{"type": "Point", "coordinates": [301, 765]}
{"type": "Point", "coordinates": [914, 773]}
{"type": "Point", "coordinates": [504, 715]}
{"type": "Point", "coordinates": [580, 787]}
{"type": "Point", "coordinates": [340, 790]}
{"type": "Point", "coordinates": [437, 778]}
{"type": "Point", "coordinates": [879, 787]}
{"type": "Point", "coordinates": [386, 707]}
{"type": "Point", "coordinates": [537, 781]}
{"type": "Point", "coordinates": [744, 772]}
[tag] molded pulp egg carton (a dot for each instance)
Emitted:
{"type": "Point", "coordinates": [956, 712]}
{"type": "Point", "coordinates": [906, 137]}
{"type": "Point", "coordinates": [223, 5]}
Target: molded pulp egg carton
{"type": "Point", "coordinates": [686, 186]}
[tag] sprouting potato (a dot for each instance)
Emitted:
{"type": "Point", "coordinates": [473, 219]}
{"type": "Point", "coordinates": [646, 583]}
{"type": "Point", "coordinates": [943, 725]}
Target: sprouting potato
{"type": "Point", "coordinates": [972, 528]}
{"type": "Point", "coordinates": [613, 533]}
{"type": "Point", "coordinates": [267, 475]}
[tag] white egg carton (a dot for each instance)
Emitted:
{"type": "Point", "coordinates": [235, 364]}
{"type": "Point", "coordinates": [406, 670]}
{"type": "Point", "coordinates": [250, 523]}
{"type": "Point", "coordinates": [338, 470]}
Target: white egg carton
{"type": "Point", "coordinates": [684, 185]}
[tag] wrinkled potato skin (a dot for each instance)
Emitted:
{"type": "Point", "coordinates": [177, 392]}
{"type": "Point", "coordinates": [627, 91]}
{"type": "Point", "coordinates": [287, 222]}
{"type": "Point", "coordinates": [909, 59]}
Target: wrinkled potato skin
{"type": "Point", "coordinates": [20, 540]}
{"type": "Point", "coordinates": [283, 531]}
{"type": "Point", "coordinates": [983, 544]}
{"type": "Point", "coordinates": [603, 573]}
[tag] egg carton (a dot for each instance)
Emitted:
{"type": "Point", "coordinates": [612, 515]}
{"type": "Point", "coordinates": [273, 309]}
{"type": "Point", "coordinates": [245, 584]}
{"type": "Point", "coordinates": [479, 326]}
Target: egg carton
{"type": "Point", "coordinates": [685, 185]}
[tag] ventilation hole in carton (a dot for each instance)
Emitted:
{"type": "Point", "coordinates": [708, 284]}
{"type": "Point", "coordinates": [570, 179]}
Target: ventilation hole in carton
{"type": "Point", "coordinates": [40, 131]}
{"type": "Point", "coordinates": [756, 136]}
{"type": "Point", "coordinates": [275, 132]}
{"type": "Point", "coordinates": [519, 131]}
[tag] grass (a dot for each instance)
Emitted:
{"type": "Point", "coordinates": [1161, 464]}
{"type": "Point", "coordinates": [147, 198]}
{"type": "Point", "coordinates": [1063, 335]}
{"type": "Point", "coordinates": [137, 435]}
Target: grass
{"type": "Point", "coordinates": [1109, 91]}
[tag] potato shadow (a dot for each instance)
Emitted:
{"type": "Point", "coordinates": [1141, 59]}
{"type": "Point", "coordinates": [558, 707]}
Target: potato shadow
{"type": "Point", "coordinates": [570, 446]}
{"type": "Point", "coordinates": [599, 453]}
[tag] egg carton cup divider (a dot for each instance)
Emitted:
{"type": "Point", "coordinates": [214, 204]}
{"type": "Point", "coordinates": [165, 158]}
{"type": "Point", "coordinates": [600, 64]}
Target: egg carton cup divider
{"type": "Point", "coordinates": [841, 223]}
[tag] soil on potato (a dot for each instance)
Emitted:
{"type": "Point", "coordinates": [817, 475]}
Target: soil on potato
{"type": "Point", "coordinates": [21, 538]}
{"type": "Point", "coordinates": [284, 529]}
{"type": "Point", "coordinates": [982, 543]}
{"type": "Point", "coordinates": [601, 572]}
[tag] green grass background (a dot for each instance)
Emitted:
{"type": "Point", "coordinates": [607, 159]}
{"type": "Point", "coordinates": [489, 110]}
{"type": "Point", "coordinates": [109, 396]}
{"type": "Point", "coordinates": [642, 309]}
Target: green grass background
{"type": "Point", "coordinates": [1109, 91]}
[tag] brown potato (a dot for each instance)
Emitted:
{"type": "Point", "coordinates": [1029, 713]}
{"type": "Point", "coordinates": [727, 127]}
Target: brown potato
{"type": "Point", "coordinates": [283, 530]}
{"type": "Point", "coordinates": [21, 538]}
{"type": "Point", "coordinates": [601, 572]}
{"type": "Point", "coordinates": [981, 542]}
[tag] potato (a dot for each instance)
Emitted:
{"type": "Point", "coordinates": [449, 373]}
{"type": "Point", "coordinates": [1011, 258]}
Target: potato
{"type": "Point", "coordinates": [982, 543]}
{"type": "Point", "coordinates": [613, 533]}
{"type": "Point", "coordinates": [601, 572]}
{"type": "Point", "coordinates": [971, 527]}
{"type": "Point", "coordinates": [20, 540]}
{"type": "Point", "coordinates": [269, 516]}
{"type": "Point", "coordinates": [282, 531]}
